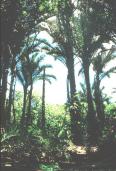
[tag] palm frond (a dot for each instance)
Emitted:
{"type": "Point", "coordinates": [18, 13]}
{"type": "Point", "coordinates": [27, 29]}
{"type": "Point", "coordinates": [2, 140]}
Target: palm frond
{"type": "Point", "coordinates": [107, 73]}
{"type": "Point", "coordinates": [61, 59]}
{"type": "Point", "coordinates": [50, 76]}
{"type": "Point", "coordinates": [107, 58]}
{"type": "Point", "coordinates": [81, 71]}
{"type": "Point", "coordinates": [83, 87]}
{"type": "Point", "coordinates": [55, 51]}
{"type": "Point", "coordinates": [48, 80]}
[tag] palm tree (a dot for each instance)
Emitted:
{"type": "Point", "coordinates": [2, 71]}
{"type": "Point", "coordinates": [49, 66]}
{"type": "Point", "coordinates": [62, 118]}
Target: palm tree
{"type": "Point", "coordinates": [45, 77]}
{"type": "Point", "coordinates": [29, 70]}
{"type": "Point", "coordinates": [90, 36]}
{"type": "Point", "coordinates": [34, 71]}
{"type": "Point", "coordinates": [22, 74]}
{"type": "Point", "coordinates": [99, 64]}
{"type": "Point", "coordinates": [64, 53]}
{"type": "Point", "coordinates": [37, 72]}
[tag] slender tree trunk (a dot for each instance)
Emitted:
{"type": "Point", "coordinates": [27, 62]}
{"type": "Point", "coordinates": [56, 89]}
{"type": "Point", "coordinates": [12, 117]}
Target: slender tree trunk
{"type": "Point", "coordinates": [23, 118]}
{"type": "Point", "coordinates": [3, 97]}
{"type": "Point", "coordinates": [1, 58]}
{"type": "Point", "coordinates": [29, 120]}
{"type": "Point", "coordinates": [91, 118]}
{"type": "Point", "coordinates": [43, 103]}
{"type": "Point", "coordinates": [14, 114]}
{"type": "Point", "coordinates": [74, 112]}
{"type": "Point", "coordinates": [10, 102]}
{"type": "Point", "coordinates": [68, 89]}
{"type": "Point", "coordinates": [64, 24]}
{"type": "Point", "coordinates": [4, 63]}
{"type": "Point", "coordinates": [99, 102]}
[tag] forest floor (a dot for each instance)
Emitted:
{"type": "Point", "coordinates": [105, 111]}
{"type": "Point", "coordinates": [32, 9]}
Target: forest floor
{"type": "Point", "coordinates": [80, 162]}
{"type": "Point", "coordinates": [66, 167]}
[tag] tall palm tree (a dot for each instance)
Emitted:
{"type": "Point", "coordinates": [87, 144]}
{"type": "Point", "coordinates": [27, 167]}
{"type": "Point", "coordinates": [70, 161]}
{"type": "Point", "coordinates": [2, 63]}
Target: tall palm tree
{"type": "Point", "coordinates": [99, 64]}
{"type": "Point", "coordinates": [29, 70]}
{"type": "Point", "coordinates": [45, 77]}
{"type": "Point", "coordinates": [64, 52]}
{"type": "Point", "coordinates": [90, 36]}
{"type": "Point", "coordinates": [22, 74]}
{"type": "Point", "coordinates": [34, 70]}
{"type": "Point", "coordinates": [61, 52]}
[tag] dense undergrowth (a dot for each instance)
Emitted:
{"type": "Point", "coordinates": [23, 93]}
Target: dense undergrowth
{"type": "Point", "coordinates": [35, 148]}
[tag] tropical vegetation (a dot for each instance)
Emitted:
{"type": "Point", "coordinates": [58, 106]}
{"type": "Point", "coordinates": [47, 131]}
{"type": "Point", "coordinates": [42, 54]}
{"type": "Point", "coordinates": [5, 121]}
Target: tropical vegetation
{"type": "Point", "coordinates": [79, 134]}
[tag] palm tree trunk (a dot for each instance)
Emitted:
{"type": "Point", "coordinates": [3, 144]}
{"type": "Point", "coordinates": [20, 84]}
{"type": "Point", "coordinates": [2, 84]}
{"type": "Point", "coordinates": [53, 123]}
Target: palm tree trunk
{"type": "Point", "coordinates": [14, 114]}
{"type": "Point", "coordinates": [68, 89]}
{"type": "Point", "coordinates": [99, 102]}
{"type": "Point", "coordinates": [64, 20]}
{"type": "Point", "coordinates": [43, 104]}
{"type": "Point", "coordinates": [29, 105]}
{"type": "Point", "coordinates": [4, 63]}
{"type": "Point", "coordinates": [91, 118]}
{"type": "Point", "coordinates": [10, 102]}
{"type": "Point", "coordinates": [74, 113]}
{"type": "Point", "coordinates": [23, 118]}
{"type": "Point", "coordinates": [3, 97]}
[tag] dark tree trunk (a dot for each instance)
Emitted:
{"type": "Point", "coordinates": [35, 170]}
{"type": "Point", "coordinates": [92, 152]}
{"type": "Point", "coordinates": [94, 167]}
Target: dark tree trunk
{"type": "Point", "coordinates": [99, 102]}
{"type": "Point", "coordinates": [23, 118]}
{"type": "Point", "coordinates": [74, 112]}
{"type": "Point", "coordinates": [43, 103]}
{"type": "Point", "coordinates": [68, 89]}
{"type": "Point", "coordinates": [0, 71]}
{"type": "Point", "coordinates": [29, 120]}
{"type": "Point", "coordinates": [4, 64]}
{"type": "Point", "coordinates": [64, 23]}
{"type": "Point", "coordinates": [12, 88]}
{"type": "Point", "coordinates": [10, 102]}
{"type": "Point", "coordinates": [91, 117]}
{"type": "Point", "coordinates": [3, 97]}
{"type": "Point", "coordinates": [14, 114]}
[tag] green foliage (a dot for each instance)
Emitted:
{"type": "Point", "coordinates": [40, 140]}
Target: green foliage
{"type": "Point", "coordinates": [18, 103]}
{"type": "Point", "coordinates": [58, 121]}
{"type": "Point", "coordinates": [50, 167]}
{"type": "Point", "coordinates": [74, 35]}
{"type": "Point", "coordinates": [48, 7]}
{"type": "Point", "coordinates": [36, 108]}
{"type": "Point", "coordinates": [110, 110]}
{"type": "Point", "coordinates": [48, 147]}
{"type": "Point", "coordinates": [8, 136]}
